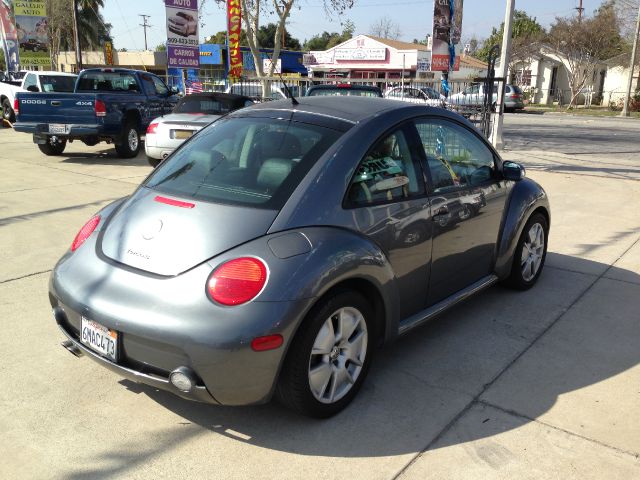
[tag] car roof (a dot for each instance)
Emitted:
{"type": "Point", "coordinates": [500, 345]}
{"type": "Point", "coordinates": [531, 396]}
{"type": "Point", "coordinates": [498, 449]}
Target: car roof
{"type": "Point", "coordinates": [345, 85]}
{"type": "Point", "coordinates": [346, 108]}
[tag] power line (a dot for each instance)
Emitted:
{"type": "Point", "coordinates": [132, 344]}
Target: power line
{"type": "Point", "coordinates": [145, 25]}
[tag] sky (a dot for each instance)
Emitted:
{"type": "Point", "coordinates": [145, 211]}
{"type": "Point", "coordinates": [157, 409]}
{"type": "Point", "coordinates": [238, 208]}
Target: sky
{"type": "Point", "coordinates": [413, 16]}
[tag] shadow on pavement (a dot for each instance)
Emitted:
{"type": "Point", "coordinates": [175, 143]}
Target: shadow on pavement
{"type": "Point", "coordinates": [422, 382]}
{"type": "Point", "coordinates": [107, 156]}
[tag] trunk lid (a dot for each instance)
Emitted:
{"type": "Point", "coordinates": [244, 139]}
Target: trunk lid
{"type": "Point", "coordinates": [161, 238]}
{"type": "Point", "coordinates": [77, 108]}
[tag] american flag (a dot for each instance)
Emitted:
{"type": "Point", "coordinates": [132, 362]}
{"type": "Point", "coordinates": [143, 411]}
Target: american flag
{"type": "Point", "coordinates": [192, 87]}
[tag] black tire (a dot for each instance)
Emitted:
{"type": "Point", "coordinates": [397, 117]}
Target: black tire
{"type": "Point", "coordinates": [517, 279]}
{"type": "Point", "coordinates": [7, 111]}
{"type": "Point", "coordinates": [128, 145]}
{"type": "Point", "coordinates": [154, 162]}
{"type": "Point", "coordinates": [293, 389]}
{"type": "Point", "coordinates": [54, 146]}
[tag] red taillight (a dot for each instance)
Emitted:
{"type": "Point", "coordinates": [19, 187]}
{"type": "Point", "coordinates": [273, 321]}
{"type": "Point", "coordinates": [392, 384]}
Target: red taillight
{"type": "Point", "coordinates": [237, 281]}
{"type": "Point", "coordinates": [16, 106]}
{"type": "Point", "coordinates": [515, 96]}
{"type": "Point", "coordinates": [152, 128]}
{"type": "Point", "coordinates": [84, 232]}
{"type": "Point", "coordinates": [101, 109]}
{"type": "Point", "coordinates": [269, 342]}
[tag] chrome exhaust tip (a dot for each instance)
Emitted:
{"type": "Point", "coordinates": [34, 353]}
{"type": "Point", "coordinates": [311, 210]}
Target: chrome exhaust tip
{"type": "Point", "coordinates": [71, 347]}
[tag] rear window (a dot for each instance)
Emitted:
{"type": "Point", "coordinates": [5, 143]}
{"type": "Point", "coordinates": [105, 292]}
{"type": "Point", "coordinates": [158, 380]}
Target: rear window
{"type": "Point", "coordinates": [244, 161]}
{"type": "Point", "coordinates": [55, 83]}
{"type": "Point", "coordinates": [107, 82]}
{"type": "Point", "coordinates": [348, 91]}
{"type": "Point", "coordinates": [517, 89]}
{"type": "Point", "coordinates": [209, 105]}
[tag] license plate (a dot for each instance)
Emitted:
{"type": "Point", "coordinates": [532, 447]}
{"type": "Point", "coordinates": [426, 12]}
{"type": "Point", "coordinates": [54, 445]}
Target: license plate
{"type": "Point", "coordinates": [182, 134]}
{"type": "Point", "coordinates": [99, 338]}
{"type": "Point", "coordinates": [58, 128]}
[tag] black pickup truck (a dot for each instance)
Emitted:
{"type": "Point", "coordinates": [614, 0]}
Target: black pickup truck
{"type": "Point", "coordinates": [110, 105]}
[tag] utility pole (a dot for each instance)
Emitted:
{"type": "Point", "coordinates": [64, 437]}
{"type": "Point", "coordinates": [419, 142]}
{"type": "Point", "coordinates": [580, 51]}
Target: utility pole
{"type": "Point", "coordinates": [496, 134]}
{"type": "Point", "coordinates": [580, 9]}
{"type": "Point", "coordinates": [632, 64]}
{"type": "Point", "coordinates": [145, 25]}
{"type": "Point", "coordinates": [76, 35]}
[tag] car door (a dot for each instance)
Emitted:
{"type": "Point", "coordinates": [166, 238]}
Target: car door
{"type": "Point", "coordinates": [155, 103]}
{"type": "Point", "coordinates": [387, 201]}
{"type": "Point", "coordinates": [168, 101]}
{"type": "Point", "coordinates": [467, 199]}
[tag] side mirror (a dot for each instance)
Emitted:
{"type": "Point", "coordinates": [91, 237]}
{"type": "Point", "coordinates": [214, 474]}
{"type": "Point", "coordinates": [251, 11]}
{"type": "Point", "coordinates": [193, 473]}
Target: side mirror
{"type": "Point", "coordinates": [173, 90]}
{"type": "Point", "coordinates": [513, 171]}
{"type": "Point", "coordinates": [33, 88]}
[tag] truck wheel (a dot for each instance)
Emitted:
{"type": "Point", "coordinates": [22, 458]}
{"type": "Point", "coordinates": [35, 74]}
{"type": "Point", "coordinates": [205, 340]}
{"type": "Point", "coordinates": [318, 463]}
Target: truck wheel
{"type": "Point", "coordinates": [54, 146]}
{"type": "Point", "coordinates": [7, 111]}
{"type": "Point", "coordinates": [129, 144]}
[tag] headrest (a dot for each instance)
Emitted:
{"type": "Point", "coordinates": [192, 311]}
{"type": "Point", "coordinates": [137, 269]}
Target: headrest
{"type": "Point", "coordinates": [273, 172]}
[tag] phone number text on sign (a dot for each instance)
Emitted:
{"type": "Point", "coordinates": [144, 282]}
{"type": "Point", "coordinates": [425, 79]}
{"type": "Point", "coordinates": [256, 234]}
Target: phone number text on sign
{"type": "Point", "coordinates": [183, 41]}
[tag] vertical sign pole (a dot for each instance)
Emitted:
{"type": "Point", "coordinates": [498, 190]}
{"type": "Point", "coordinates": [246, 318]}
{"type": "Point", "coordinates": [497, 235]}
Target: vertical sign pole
{"type": "Point", "coordinates": [77, 37]}
{"type": "Point", "coordinates": [634, 52]}
{"type": "Point", "coordinates": [496, 137]}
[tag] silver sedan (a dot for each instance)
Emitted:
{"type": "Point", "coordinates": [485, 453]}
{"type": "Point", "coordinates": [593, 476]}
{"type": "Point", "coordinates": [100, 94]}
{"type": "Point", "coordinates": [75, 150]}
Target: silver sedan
{"type": "Point", "coordinates": [192, 113]}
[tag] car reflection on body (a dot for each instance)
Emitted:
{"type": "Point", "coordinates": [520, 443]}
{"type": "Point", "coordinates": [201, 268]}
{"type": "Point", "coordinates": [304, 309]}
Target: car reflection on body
{"type": "Point", "coordinates": [277, 248]}
{"type": "Point", "coordinates": [423, 95]}
{"type": "Point", "coordinates": [191, 114]}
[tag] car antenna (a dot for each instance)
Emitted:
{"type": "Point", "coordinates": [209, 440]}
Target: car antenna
{"type": "Point", "coordinates": [286, 87]}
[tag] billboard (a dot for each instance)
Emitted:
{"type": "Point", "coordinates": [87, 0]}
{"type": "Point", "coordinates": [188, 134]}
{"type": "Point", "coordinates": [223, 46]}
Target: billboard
{"type": "Point", "coordinates": [234, 22]}
{"type": "Point", "coordinates": [447, 30]}
{"type": "Point", "coordinates": [9, 36]}
{"type": "Point", "coordinates": [182, 33]}
{"type": "Point", "coordinates": [33, 37]}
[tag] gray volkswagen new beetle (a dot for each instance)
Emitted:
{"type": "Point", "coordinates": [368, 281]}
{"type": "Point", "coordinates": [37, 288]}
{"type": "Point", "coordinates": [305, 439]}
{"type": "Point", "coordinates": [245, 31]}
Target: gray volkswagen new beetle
{"type": "Point", "coordinates": [277, 248]}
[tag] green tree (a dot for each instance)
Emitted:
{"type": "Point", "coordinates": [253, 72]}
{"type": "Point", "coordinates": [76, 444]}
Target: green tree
{"type": "Point", "coordinates": [161, 47]}
{"type": "Point", "coordinates": [328, 40]}
{"type": "Point", "coordinates": [267, 38]}
{"type": "Point", "coordinates": [526, 30]}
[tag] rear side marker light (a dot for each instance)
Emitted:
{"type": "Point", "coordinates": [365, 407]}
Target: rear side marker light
{"type": "Point", "coordinates": [16, 106]}
{"type": "Point", "coordinates": [173, 202]}
{"type": "Point", "coordinates": [237, 281]}
{"type": "Point", "coordinates": [85, 232]}
{"type": "Point", "coordinates": [270, 342]}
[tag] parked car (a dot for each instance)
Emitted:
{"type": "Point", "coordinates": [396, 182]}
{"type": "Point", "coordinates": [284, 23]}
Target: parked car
{"type": "Point", "coordinates": [255, 90]}
{"type": "Point", "coordinates": [183, 24]}
{"type": "Point", "coordinates": [48, 82]}
{"type": "Point", "coordinates": [423, 95]}
{"type": "Point", "coordinates": [112, 105]}
{"type": "Point", "coordinates": [473, 96]}
{"type": "Point", "coordinates": [191, 114]}
{"type": "Point", "coordinates": [347, 89]}
{"type": "Point", "coordinates": [275, 250]}
{"type": "Point", "coordinates": [33, 45]}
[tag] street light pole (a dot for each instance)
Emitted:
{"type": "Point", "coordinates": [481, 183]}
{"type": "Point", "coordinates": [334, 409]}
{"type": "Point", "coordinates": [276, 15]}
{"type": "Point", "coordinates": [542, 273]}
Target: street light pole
{"type": "Point", "coordinates": [632, 64]}
{"type": "Point", "coordinates": [496, 134]}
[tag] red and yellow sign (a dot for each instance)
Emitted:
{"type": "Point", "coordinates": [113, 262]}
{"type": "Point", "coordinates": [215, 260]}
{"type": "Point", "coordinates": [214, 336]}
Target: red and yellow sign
{"type": "Point", "coordinates": [108, 53]}
{"type": "Point", "coordinates": [234, 20]}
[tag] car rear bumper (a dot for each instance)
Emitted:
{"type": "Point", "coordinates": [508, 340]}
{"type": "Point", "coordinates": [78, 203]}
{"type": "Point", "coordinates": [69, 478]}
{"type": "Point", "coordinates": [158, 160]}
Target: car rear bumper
{"type": "Point", "coordinates": [167, 323]}
{"type": "Point", "coordinates": [41, 130]}
{"type": "Point", "coordinates": [158, 152]}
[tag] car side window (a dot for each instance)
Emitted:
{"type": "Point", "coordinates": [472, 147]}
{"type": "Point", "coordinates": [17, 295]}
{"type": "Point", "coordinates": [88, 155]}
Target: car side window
{"type": "Point", "coordinates": [160, 88]}
{"type": "Point", "coordinates": [456, 158]}
{"type": "Point", "coordinates": [30, 81]}
{"type": "Point", "coordinates": [387, 173]}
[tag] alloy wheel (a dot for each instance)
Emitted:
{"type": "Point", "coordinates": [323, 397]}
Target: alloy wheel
{"type": "Point", "coordinates": [532, 252]}
{"type": "Point", "coordinates": [337, 355]}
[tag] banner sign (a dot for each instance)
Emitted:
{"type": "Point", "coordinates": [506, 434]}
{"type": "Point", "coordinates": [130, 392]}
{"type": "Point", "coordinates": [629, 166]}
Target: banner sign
{"type": "Point", "coordinates": [234, 22]}
{"type": "Point", "coordinates": [183, 49]}
{"type": "Point", "coordinates": [108, 53]}
{"type": "Point", "coordinates": [447, 30]}
{"type": "Point", "coordinates": [210, 54]}
{"type": "Point", "coordinates": [9, 36]}
{"type": "Point", "coordinates": [33, 36]}
{"type": "Point", "coordinates": [366, 54]}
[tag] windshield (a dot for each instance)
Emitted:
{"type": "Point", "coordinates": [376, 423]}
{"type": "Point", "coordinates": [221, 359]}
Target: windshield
{"type": "Point", "coordinates": [209, 105]}
{"type": "Point", "coordinates": [244, 161]}
{"type": "Point", "coordinates": [347, 91]}
{"type": "Point", "coordinates": [57, 83]}
{"type": "Point", "coordinates": [107, 82]}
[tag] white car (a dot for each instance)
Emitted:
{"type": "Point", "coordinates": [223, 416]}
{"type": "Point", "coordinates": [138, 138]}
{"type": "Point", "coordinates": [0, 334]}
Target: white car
{"type": "Point", "coordinates": [256, 91]}
{"type": "Point", "coordinates": [424, 95]}
{"type": "Point", "coordinates": [183, 24]}
{"type": "Point", "coordinates": [33, 82]}
{"type": "Point", "coordinates": [191, 114]}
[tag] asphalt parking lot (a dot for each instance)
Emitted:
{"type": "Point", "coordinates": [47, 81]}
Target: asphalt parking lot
{"type": "Point", "coordinates": [541, 384]}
